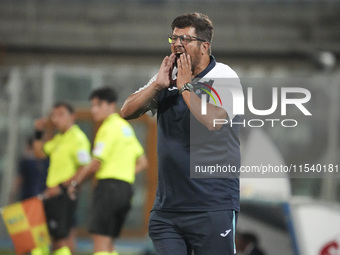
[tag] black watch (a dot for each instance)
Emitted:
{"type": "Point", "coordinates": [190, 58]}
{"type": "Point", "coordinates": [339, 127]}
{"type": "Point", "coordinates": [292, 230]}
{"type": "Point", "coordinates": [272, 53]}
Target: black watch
{"type": "Point", "coordinates": [186, 86]}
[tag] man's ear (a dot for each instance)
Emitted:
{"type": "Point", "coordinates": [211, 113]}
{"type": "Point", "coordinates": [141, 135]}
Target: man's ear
{"type": "Point", "coordinates": [205, 47]}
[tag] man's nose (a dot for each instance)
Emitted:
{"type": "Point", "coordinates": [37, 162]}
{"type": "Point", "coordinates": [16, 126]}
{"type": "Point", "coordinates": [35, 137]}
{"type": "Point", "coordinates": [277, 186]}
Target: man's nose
{"type": "Point", "coordinates": [178, 41]}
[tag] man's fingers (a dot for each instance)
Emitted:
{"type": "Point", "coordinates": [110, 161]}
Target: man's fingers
{"type": "Point", "coordinates": [179, 63]}
{"type": "Point", "coordinates": [165, 60]}
{"type": "Point", "coordinates": [169, 61]}
{"type": "Point", "coordinates": [189, 60]}
{"type": "Point", "coordinates": [172, 59]}
{"type": "Point", "coordinates": [184, 60]}
{"type": "Point", "coordinates": [184, 63]}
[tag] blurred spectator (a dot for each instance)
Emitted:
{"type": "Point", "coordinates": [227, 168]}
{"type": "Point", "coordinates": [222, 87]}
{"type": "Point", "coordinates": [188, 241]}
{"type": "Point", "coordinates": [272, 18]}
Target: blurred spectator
{"type": "Point", "coordinates": [31, 181]}
{"type": "Point", "coordinates": [247, 244]}
{"type": "Point", "coordinates": [31, 177]}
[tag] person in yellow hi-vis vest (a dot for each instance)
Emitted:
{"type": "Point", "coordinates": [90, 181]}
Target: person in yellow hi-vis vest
{"type": "Point", "coordinates": [116, 157]}
{"type": "Point", "coordinates": [69, 151]}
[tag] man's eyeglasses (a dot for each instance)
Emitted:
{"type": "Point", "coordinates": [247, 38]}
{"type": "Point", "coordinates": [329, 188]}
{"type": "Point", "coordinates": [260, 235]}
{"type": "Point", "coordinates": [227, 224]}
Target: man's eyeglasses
{"type": "Point", "coordinates": [184, 39]}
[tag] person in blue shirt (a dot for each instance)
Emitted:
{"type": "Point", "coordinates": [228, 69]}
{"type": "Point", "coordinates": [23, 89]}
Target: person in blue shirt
{"type": "Point", "coordinates": [32, 173]}
{"type": "Point", "coordinates": [31, 181]}
{"type": "Point", "coordinates": [192, 214]}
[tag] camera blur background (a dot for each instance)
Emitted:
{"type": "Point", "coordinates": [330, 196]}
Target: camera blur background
{"type": "Point", "coordinates": [61, 50]}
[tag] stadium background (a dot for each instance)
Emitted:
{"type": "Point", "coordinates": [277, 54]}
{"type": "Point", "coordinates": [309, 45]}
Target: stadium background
{"type": "Point", "coordinates": [53, 50]}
